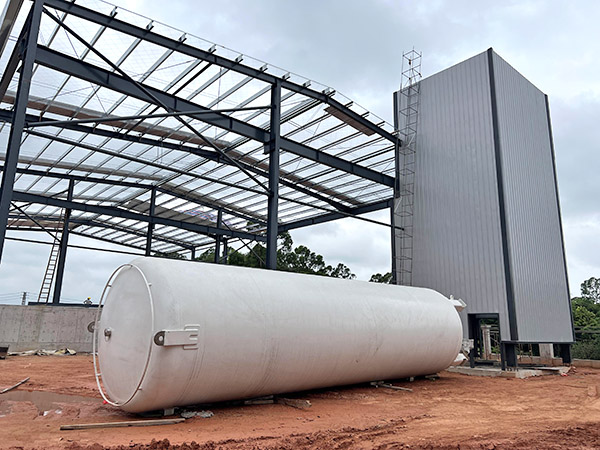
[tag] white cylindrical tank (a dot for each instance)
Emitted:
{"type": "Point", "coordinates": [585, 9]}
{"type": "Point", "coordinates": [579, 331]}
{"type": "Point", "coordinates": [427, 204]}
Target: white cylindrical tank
{"type": "Point", "coordinates": [176, 333]}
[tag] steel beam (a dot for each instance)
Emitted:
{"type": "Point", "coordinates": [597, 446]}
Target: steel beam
{"type": "Point", "coordinates": [151, 225]}
{"type": "Point", "coordinates": [122, 155]}
{"type": "Point", "coordinates": [87, 179]}
{"type": "Point", "coordinates": [363, 209]}
{"type": "Point", "coordinates": [31, 241]}
{"type": "Point", "coordinates": [88, 72]}
{"type": "Point", "coordinates": [109, 120]}
{"type": "Point", "coordinates": [11, 66]}
{"type": "Point", "coordinates": [141, 33]}
{"type": "Point", "coordinates": [218, 238]}
{"type": "Point", "coordinates": [126, 214]}
{"type": "Point", "coordinates": [155, 100]}
{"type": "Point", "coordinates": [62, 249]}
{"type": "Point", "coordinates": [166, 189]}
{"type": "Point", "coordinates": [20, 109]}
{"type": "Point", "coordinates": [79, 222]}
{"type": "Point", "coordinates": [293, 182]}
{"type": "Point", "coordinates": [273, 201]}
{"type": "Point", "coordinates": [7, 21]}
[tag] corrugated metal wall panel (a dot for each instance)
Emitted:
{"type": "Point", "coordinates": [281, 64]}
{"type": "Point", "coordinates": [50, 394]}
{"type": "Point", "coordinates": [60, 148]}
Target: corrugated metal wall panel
{"type": "Point", "coordinates": [457, 241]}
{"type": "Point", "coordinates": [533, 223]}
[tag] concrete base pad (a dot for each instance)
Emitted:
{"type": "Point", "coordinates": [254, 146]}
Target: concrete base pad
{"type": "Point", "coordinates": [517, 373]}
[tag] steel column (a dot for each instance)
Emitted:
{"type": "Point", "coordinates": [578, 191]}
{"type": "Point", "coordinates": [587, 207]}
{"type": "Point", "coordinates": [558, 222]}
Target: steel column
{"type": "Point", "coordinates": [62, 250]}
{"type": "Point", "coordinates": [150, 224]}
{"type": "Point", "coordinates": [7, 21]}
{"type": "Point", "coordinates": [225, 251]}
{"type": "Point", "coordinates": [396, 196]}
{"type": "Point", "coordinates": [18, 122]}
{"type": "Point", "coordinates": [218, 238]}
{"type": "Point", "coordinates": [273, 202]}
{"type": "Point", "coordinates": [394, 279]}
{"type": "Point", "coordinates": [509, 355]}
{"type": "Point", "coordinates": [11, 66]}
{"type": "Point", "coordinates": [565, 353]}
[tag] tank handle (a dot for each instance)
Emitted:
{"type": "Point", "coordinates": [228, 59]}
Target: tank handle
{"type": "Point", "coordinates": [188, 337]}
{"type": "Point", "coordinates": [458, 303]}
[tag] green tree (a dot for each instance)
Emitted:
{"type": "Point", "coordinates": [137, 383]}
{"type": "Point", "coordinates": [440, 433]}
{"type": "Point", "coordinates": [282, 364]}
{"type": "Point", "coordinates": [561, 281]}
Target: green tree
{"type": "Point", "coordinates": [586, 319]}
{"type": "Point", "coordinates": [341, 271]}
{"type": "Point", "coordinates": [300, 259]}
{"type": "Point", "coordinates": [583, 318]}
{"type": "Point", "coordinates": [170, 255]}
{"type": "Point", "coordinates": [207, 256]}
{"type": "Point", "coordinates": [590, 289]}
{"type": "Point", "coordinates": [379, 278]}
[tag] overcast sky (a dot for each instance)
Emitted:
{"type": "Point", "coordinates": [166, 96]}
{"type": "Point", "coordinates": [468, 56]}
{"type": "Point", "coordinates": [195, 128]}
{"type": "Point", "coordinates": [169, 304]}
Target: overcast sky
{"type": "Point", "coordinates": [356, 47]}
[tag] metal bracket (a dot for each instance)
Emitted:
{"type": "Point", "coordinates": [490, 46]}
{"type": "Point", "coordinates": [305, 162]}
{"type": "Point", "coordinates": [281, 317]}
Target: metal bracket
{"type": "Point", "coordinates": [188, 337]}
{"type": "Point", "coordinates": [458, 303]}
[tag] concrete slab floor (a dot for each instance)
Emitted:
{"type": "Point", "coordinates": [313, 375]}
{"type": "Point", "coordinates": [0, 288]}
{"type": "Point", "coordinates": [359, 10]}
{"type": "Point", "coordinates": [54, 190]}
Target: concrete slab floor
{"type": "Point", "coordinates": [518, 373]}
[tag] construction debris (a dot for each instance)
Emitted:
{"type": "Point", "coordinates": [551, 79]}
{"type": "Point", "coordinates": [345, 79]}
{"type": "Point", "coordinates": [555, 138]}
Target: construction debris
{"type": "Point", "coordinates": [268, 400]}
{"type": "Point", "coordinates": [42, 352]}
{"type": "Point", "coordinates": [131, 423]}
{"type": "Point", "coordinates": [203, 414]}
{"type": "Point", "coordinates": [383, 384]}
{"type": "Point", "coordinates": [293, 402]}
{"type": "Point", "coordinates": [15, 386]}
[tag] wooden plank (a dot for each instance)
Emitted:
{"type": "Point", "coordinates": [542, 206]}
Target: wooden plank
{"type": "Point", "coordinates": [131, 423]}
{"type": "Point", "coordinates": [15, 386]}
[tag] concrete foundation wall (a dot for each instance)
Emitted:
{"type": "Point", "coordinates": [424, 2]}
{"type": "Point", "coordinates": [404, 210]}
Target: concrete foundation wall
{"type": "Point", "coordinates": [46, 327]}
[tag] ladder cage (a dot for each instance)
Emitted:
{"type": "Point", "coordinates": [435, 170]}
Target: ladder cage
{"type": "Point", "coordinates": [410, 90]}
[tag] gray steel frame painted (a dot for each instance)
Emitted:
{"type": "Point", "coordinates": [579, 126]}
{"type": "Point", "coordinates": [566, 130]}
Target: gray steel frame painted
{"type": "Point", "coordinates": [273, 149]}
{"type": "Point", "coordinates": [62, 253]}
{"type": "Point", "coordinates": [150, 231]}
{"type": "Point", "coordinates": [16, 129]}
{"type": "Point", "coordinates": [510, 295]}
{"type": "Point", "coordinates": [71, 66]}
{"type": "Point", "coordinates": [116, 212]}
{"type": "Point", "coordinates": [32, 53]}
{"type": "Point", "coordinates": [116, 24]}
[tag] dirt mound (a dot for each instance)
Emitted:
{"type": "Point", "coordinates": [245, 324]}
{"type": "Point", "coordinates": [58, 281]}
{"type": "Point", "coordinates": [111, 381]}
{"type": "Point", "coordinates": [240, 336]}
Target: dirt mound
{"type": "Point", "coordinates": [580, 437]}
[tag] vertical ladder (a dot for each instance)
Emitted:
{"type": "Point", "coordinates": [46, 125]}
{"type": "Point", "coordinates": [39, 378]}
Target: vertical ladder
{"type": "Point", "coordinates": [407, 129]}
{"type": "Point", "coordinates": [48, 280]}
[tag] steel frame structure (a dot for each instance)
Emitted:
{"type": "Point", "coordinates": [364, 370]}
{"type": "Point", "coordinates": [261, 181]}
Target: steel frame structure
{"type": "Point", "coordinates": [163, 142]}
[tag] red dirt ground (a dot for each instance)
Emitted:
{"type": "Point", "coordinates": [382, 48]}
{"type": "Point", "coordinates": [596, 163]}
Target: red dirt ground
{"type": "Point", "coordinates": [453, 412]}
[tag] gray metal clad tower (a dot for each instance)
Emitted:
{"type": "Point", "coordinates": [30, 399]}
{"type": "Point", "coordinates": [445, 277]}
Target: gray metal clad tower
{"type": "Point", "coordinates": [487, 225]}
